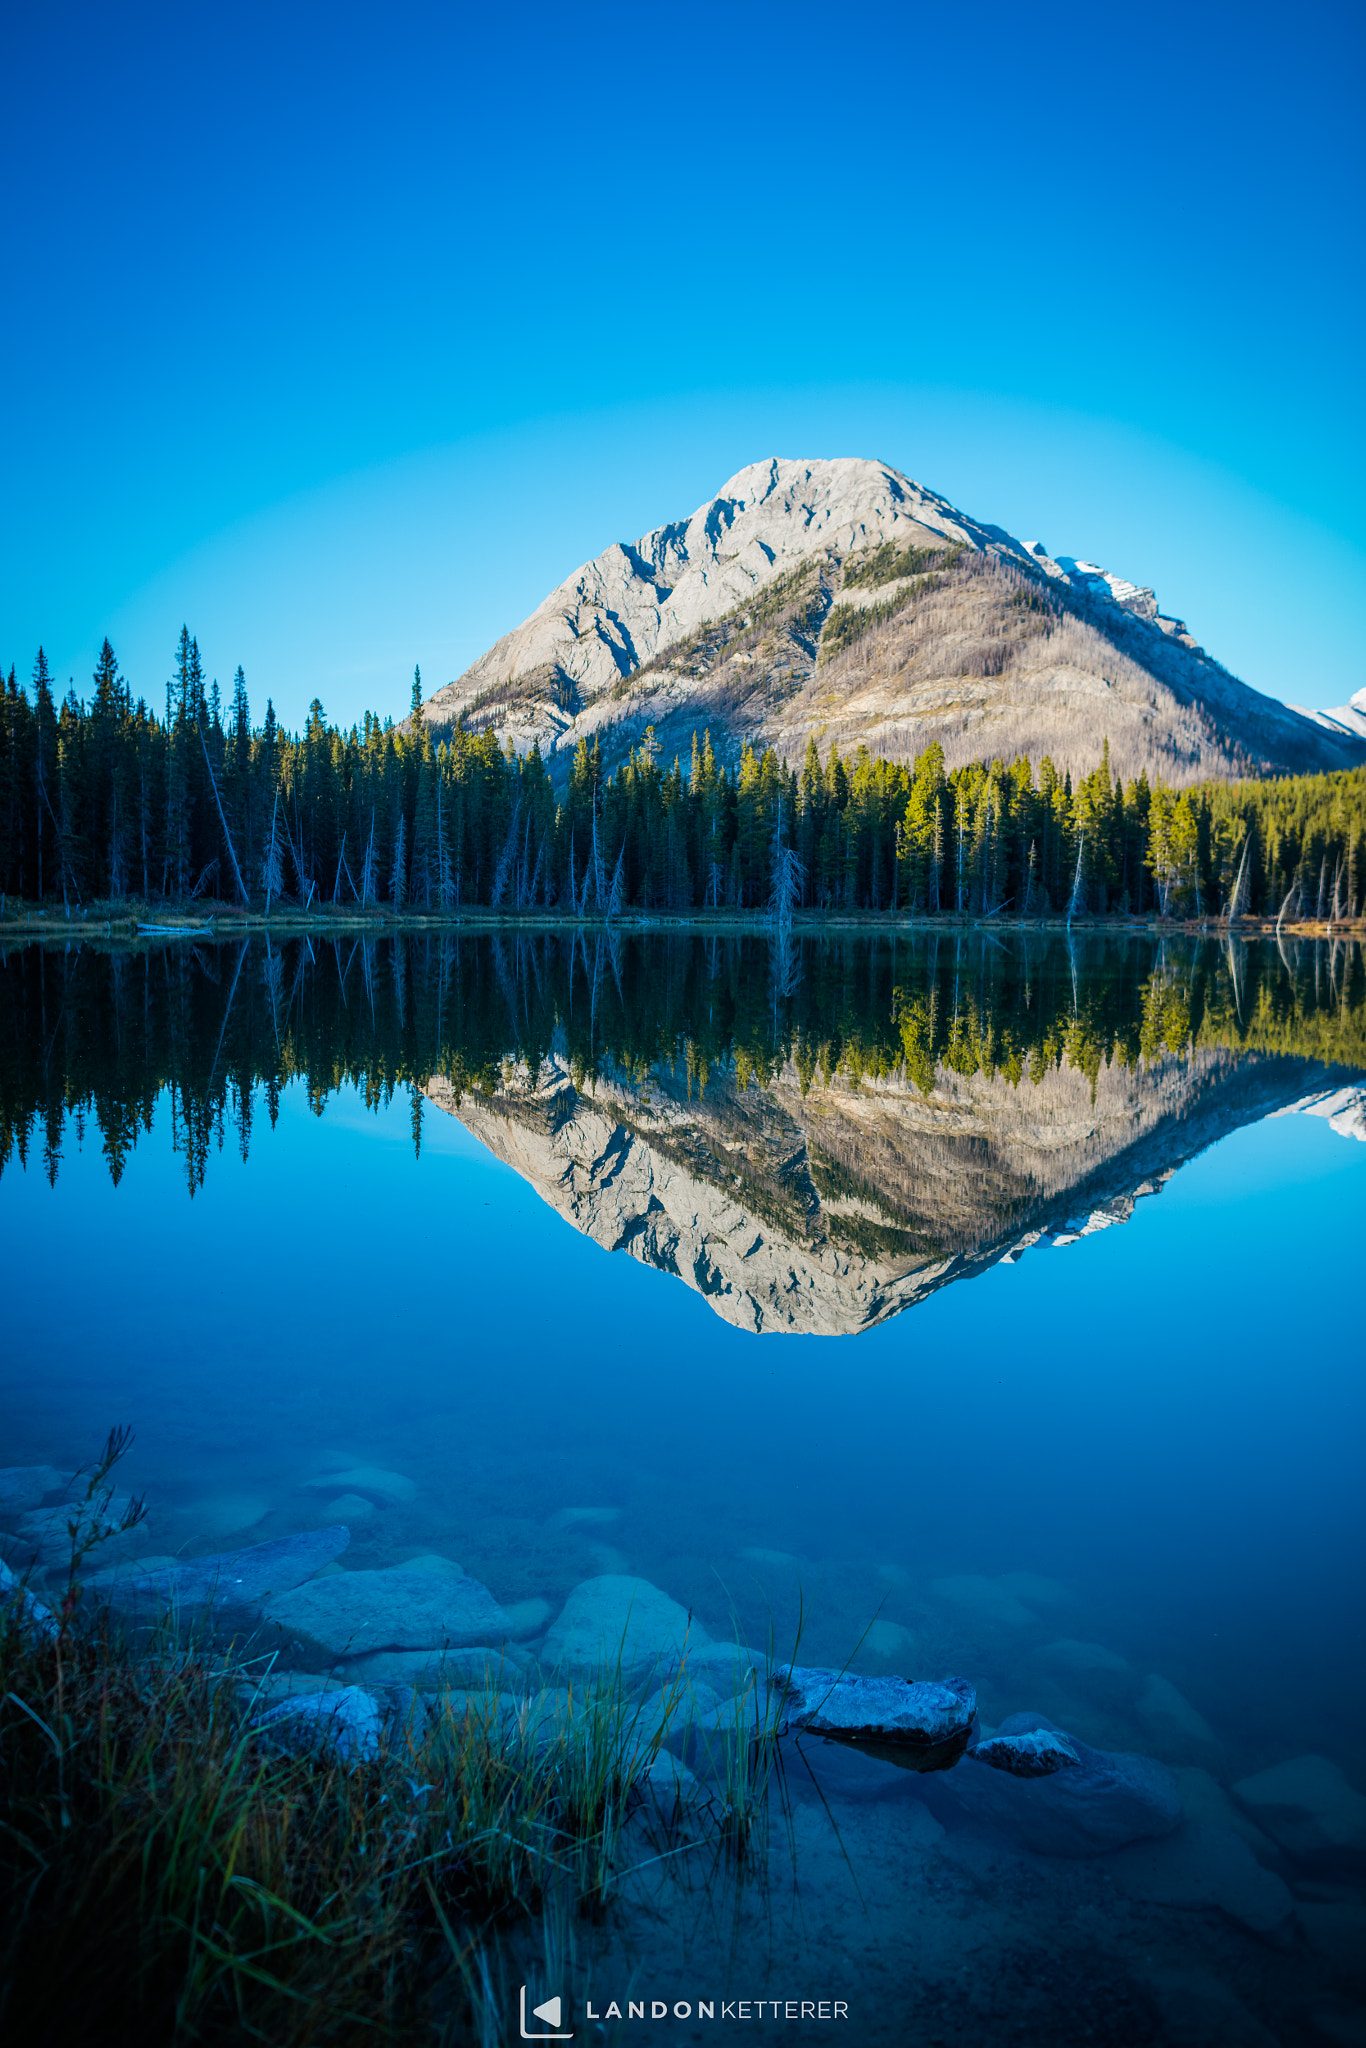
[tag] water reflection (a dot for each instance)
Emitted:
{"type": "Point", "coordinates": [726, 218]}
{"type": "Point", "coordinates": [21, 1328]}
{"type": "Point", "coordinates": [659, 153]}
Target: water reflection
{"type": "Point", "coordinates": [812, 1136]}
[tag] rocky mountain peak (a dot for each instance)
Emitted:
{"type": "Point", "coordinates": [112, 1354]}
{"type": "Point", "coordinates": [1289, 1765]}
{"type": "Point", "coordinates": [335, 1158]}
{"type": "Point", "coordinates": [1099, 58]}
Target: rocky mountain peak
{"type": "Point", "coordinates": [923, 622]}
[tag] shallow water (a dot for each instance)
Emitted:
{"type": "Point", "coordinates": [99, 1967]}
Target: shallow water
{"type": "Point", "coordinates": [1060, 1342]}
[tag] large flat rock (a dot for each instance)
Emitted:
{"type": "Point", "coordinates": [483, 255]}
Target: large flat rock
{"type": "Point", "coordinates": [916, 1714]}
{"type": "Point", "coordinates": [229, 1579]}
{"type": "Point", "coordinates": [351, 1613]}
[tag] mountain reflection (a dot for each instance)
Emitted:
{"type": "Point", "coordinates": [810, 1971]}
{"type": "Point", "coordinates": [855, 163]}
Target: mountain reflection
{"type": "Point", "coordinates": [813, 1135]}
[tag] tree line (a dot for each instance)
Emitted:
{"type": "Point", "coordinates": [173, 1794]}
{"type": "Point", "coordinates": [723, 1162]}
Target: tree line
{"type": "Point", "coordinates": [101, 1034]}
{"type": "Point", "coordinates": [106, 802]}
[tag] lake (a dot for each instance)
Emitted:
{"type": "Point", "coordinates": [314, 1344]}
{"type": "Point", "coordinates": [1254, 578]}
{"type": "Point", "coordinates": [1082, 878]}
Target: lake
{"type": "Point", "coordinates": [977, 1303]}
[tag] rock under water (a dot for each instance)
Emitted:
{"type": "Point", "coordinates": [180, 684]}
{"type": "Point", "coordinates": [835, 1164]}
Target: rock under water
{"type": "Point", "coordinates": [1110, 1798]}
{"type": "Point", "coordinates": [925, 1724]}
{"type": "Point", "coordinates": [355, 1612]}
{"type": "Point", "coordinates": [229, 1579]}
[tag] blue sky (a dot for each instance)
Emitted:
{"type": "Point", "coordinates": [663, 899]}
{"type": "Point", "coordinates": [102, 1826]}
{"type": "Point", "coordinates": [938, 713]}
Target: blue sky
{"type": "Point", "coordinates": [343, 334]}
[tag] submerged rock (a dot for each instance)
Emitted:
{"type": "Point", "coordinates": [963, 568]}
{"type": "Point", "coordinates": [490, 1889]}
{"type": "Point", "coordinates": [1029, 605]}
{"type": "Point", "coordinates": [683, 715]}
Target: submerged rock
{"type": "Point", "coordinates": [1204, 1799]}
{"type": "Point", "coordinates": [676, 1710]}
{"type": "Point", "coordinates": [889, 1639]}
{"type": "Point", "coordinates": [1308, 1806]}
{"type": "Point", "coordinates": [886, 1714]}
{"type": "Point", "coordinates": [583, 1518]}
{"type": "Point", "coordinates": [1170, 1715]}
{"type": "Point", "coordinates": [350, 1508]}
{"type": "Point", "coordinates": [987, 1602]}
{"type": "Point", "coordinates": [727, 1666]}
{"type": "Point", "coordinates": [369, 1479]}
{"type": "Point", "coordinates": [1198, 2010]}
{"type": "Point", "coordinates": [615, 1617]}
{"type": "Point", "coordinates": [1035, 1755]}
{"type": "Point", "coordinates": [256, 1693]}
{"type": "Point", "coordinates": [24, 1487]}
{"type": "Point", "coordinates": [669, 1784]}
{"type": "Point", "coordinates": [1085, 1661]}
{"type": "Point", "coordinates": [16, 1598]}
{"type": "Point", "coordinates": [348, 1722]}
{"type": "Point", "coordinates": [43, 1535]}
{"type": "Point", "coordinates": [1109, 1799]}
{"type": "Point", "coordinates": [1200, 1864]}
{"type": "Point", "coordinates": [430, 1670]}
{"type": "Point", "coordinates": [1033, 1588]}
{"type": "Point", "coordinates": [529, 1617]}
{"type": "Point", "coordinates": [223, 1514]}
{"type": "Point", "coordinates": [230, 1579]}
{"type": "Point", "coordinates": [355, 1612]}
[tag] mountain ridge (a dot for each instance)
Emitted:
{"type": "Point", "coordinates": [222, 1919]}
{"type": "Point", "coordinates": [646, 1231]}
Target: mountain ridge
{"type": "Point", "coordinates": [838, 598]}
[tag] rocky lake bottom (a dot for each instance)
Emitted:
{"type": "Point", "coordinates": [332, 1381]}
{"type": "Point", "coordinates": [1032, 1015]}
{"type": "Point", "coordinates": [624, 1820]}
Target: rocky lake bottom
{"type": "Point", "coordinates": [438, 1437]}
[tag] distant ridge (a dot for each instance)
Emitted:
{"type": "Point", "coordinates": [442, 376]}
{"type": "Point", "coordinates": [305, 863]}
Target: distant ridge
{"type": "Point", "coordinates": [838, 598]}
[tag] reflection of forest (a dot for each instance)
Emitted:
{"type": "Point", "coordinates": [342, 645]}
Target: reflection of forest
{"type": "Point", "coordinates": [814, 1134]}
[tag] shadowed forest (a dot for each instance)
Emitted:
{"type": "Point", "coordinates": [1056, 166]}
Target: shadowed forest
{"type": "Point", "coordinates": [108, 803]}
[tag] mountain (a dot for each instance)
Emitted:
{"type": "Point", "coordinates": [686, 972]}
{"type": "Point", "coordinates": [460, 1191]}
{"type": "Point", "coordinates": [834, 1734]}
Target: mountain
{"type": "Point", "coordinates": [838, 598]}
{"type": "Point", "coordinates": [1349, 717]}
{"type": "Point", "coordinates": [821, 1212]}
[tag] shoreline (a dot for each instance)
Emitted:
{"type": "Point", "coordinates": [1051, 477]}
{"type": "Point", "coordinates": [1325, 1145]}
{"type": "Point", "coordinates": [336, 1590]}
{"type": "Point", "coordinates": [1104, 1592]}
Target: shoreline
{"type": "Point", "coordinates": [168, 922]}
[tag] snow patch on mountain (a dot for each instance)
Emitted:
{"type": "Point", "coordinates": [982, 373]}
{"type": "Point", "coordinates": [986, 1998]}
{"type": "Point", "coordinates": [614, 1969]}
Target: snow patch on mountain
{"type": "Point", "coordinates": [1349, 717]}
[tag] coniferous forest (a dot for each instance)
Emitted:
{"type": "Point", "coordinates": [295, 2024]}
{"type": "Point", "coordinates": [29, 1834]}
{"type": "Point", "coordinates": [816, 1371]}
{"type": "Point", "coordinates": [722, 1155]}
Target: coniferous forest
{"type": "Point", "coordinates": [106, 802]}
{"type": "Point", "coordinates": [92, 1034]}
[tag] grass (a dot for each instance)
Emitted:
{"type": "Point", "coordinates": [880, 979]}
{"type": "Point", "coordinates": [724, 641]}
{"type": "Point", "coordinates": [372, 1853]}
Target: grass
{"type": "Point", "coordinates": [169, 1873]}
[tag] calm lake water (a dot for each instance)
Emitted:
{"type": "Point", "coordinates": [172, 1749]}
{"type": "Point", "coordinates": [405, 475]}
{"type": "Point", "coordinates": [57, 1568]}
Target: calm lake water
{"type": "Point", "coordinates": [1000, 1293]}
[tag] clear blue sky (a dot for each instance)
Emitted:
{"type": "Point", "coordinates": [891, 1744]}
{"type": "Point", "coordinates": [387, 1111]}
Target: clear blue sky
{"type": "Point", "coordinates": [344, 333]}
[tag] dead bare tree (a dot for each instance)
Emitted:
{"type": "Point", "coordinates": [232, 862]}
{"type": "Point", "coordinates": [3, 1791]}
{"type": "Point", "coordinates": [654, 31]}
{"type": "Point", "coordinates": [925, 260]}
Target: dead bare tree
{"type": "Point", "coordinates": [227, 836]}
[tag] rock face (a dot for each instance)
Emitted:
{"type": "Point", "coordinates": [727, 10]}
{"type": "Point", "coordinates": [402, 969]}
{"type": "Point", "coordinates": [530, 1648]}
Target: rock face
{"type": "Point", "coordinates": [1106, 1801]}
{"type": "Point", "coordinates": [353, 1613]}
{"type": "Point", "coordinates": [826, 1211]}
{"type": "Point", "coordinates": [840, 596]}
{"type": "Point", "coordinates": [887, 1712]}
